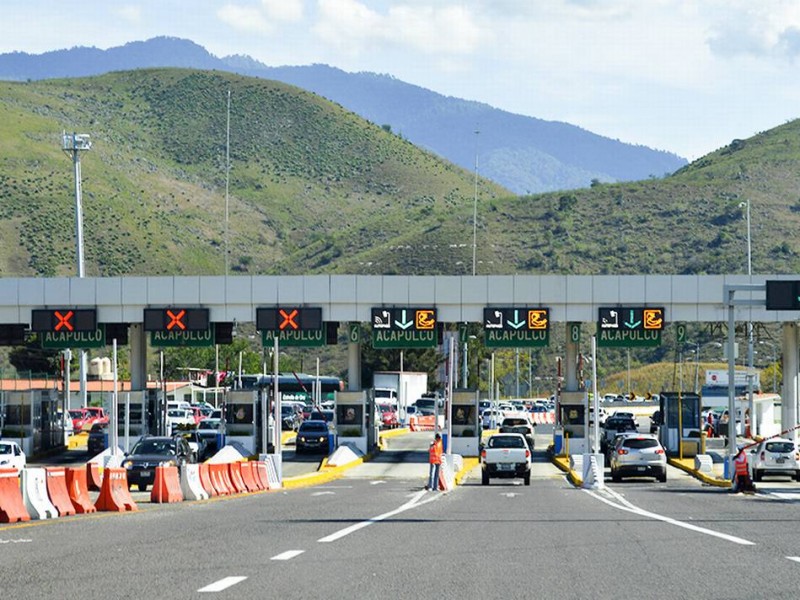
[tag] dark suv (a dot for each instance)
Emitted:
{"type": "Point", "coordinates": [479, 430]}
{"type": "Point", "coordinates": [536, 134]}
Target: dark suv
{"type": "Point", "coordinates": [151, 452]}
{"type": "Point", "coordinates": [98, 438]}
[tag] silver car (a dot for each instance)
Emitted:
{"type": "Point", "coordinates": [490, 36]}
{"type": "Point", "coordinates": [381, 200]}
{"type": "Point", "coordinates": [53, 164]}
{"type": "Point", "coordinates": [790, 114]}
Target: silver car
{"type": "Point", "coordinates": [638, 456]}
{"type": "Point", "coordinates": [775, 457]}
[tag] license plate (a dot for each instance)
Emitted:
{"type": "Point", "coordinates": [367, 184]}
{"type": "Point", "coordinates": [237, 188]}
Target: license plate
{"type": "Point", "coordinates": [780, 460]}
{"type": "Point", "coordinates": [504, 467]}
{"type": "Point", "coordinates": [144, 473]}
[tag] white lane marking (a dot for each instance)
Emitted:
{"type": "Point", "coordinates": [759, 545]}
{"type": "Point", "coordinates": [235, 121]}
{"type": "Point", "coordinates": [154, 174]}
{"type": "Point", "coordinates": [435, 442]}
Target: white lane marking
{"type": "Point", "coordinates": [628, 507]}
{"type": "Point", "coordinates": [324, 494]}
{"type": "Point", "coordinates": [376, 482]}
{"type": "Point", "coordinates": [413, 503]}
{"type": "Point", "coordinates": [794, 558]}
{"type": "Point", "coordinates": [509, 495]}
{"type": "Point", "coordinates": [20, 541]}
{"type": "Point", "coordinates": [288, 555]}
{"type": "Point", "coordinates": [222, 584]}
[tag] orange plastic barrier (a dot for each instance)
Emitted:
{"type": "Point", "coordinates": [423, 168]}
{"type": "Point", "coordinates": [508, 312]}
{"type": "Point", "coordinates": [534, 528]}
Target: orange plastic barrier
{"type": "Point", "coordinates": [56, 480]}
{"type": "Point", "coordinates": [219, 478]}
{"type": "Point", "coordinates": [260, 470]}
{"type": "Point", "coordinates": [93, 478]}
{"type": "Point", "coordinates": [426, 423]}
{"type": "Point", "coordinates": [205, 480]}
{"type": "Point", "coordinates": [12, 509]}
{"type": "Point", "coordinates": [248, 477]}
{"type": "Point", "coordinates": [167, 486]}
{"type": "Point", "coordinates": [114, 494]}
{"type": "Point", "coordinates": [78, 490]}
{"type": "Point", "coordinates": [235, 473]}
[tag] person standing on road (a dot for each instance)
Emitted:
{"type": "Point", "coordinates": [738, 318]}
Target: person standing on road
{"type": "Point", "coordinates": [435, 461]}
{"type": "Point", "coordinates": [741, 474]}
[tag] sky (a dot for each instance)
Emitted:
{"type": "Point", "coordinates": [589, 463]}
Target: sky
{"type": "Point", "coordinates": [686, 76]}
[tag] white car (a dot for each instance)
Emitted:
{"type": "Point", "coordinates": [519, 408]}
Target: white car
{"type": "Point", "coordinates": [179, 417]}
{"type": "Point", "coordinates": [491, 418]}
{"type": "Point", "coordinates": [777, 456]}
{"type": "Point", "coordinates": [11, 456]}
{"type": "Point", "coordinates": [600, 411]}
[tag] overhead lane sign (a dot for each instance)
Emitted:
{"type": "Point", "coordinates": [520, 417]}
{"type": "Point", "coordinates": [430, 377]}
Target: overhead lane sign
{"type": "Point", "coordinates": [404, 327]}
{"type": "Point", "coordinates": [516, 327]}
{"type": "Point", "coordinates": [783, 295]}
{"type": "Point", "coordinates": [176, 319]}
{"type": "Point", "coordinates": [630, 326]}
{"type": "Point", "coordinates": [292, 325]}
{"type": "Point", "coordinates": [63, 320]}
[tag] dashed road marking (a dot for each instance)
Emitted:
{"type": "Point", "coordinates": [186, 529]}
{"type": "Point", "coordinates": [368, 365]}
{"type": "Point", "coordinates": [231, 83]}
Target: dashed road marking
{"type": "Point", "coordinates": [222, 584]}
{"type": "Point", "coordinates": [288, 555]}
{"type": "Point", "coordinates": [324, 494]}
{"type": "Point", "coordinates": [794, 558]}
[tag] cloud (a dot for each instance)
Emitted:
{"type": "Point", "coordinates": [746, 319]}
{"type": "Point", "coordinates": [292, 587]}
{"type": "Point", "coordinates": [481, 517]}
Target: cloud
{"type": "Point", "coordinates": [284, 10]}
{"type": "Point", "coordinates": [431, 29]}
{"type": "Point", "coordinates": [130, 13]}
{"type": "Point", "coordinates": [756, 30]}
{"type": "Point", "coordinates": [243, 18]}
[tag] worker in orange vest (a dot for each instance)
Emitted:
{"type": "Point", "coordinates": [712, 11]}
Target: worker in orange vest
{"type": "Point", "coordinates": [741, 474]}
{"type": "Point", "coordinates": [435, 461]}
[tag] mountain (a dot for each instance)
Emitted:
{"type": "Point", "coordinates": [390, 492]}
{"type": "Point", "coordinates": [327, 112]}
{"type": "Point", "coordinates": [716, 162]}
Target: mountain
{"type": "Point", "coordinates": [524, 154]}
{"type": "Point", "coordinates": [316, 189]}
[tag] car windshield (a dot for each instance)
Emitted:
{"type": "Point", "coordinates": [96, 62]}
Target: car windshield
{"type": "Point", "coordinates": [208, 424]}
{"type": "Point", "coordinates": [506, 442]}
{"type": "Point", "coordinates": [783, 447]}
{"type": "Point", "coordinates": [640, 443]}
{"type": "Point", "coordinates": [514, 422]}
{"type": "Point", "coordinates": [313, 427]}
{"type": "Point", "coordinates": [5, 448]}
{"type": "Point", "coordinates": [154, 447]}
{"type": "Point", "coordinates": [76, 414]}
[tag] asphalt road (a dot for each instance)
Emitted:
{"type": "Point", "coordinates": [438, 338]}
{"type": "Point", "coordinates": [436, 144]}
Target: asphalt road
{"type": "Point", "coordinates": [373, 536]}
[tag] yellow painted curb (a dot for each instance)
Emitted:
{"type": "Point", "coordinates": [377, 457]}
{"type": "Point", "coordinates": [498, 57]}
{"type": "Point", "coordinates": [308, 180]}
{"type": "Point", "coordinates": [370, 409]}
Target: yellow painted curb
{"type": "Point", "coordinates": [687, 466]}
{"type": "Point", "coordinates": [469, 464]}
{"type": "Point", "coordinates": [78, 440]}
{"type": "Point", "coordinates": [324, 475]}
{"type": "Point", "coordinates": [288, 437]}
{"type": "Point", "coordinates": [563, 463]}
{"type": "Point", "coordinates": [395, 432]}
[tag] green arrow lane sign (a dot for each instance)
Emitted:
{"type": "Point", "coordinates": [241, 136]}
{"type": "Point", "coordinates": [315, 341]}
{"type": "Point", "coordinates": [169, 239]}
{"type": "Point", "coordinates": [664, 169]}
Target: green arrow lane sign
{"type": "Point", "coordinates": [74, 339]}
{"type": "Point", "coordinates": [309, 338]}
{"type": "Point", "coordinates": [631, 323]}
{"type": "Point", "coordinates": [410, 338]}
{"type": "Point", "coordinates": [629, 338]}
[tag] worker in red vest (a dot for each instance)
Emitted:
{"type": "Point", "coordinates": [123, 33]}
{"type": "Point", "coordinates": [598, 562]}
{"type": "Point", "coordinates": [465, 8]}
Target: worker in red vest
{"type": "Point", "coordinates": [435, 461]}
{"type": "Point", "coordinates": [741, 474]}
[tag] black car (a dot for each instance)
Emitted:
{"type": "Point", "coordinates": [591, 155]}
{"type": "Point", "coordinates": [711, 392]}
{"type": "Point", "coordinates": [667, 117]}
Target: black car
{"type": "Point", "coordinates": [151, 452]}
{"type": "Point", "coordinates": [98, 438]}
{"type": "Point", "coordinates": [313, 435]}
{"type": "Point", "coordinates": [614, 425]}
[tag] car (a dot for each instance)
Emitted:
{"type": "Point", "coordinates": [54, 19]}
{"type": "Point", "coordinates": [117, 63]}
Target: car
{"type": "Point", "coordinates": [506, 455]}
{"type": "Point", "coordinates": [97, 413]}
{"type": "Point", "coordinates": [179, 418]}
{"type": "Point", "coordinates": [601, 412]}
{"type": "Point", "coordinates": [491, 418]}
{"type": "Point", "coordinates": [313, 435]}
{"type": "Point", "coordinates": [615, 425]}
{"type": "Point", "coordinates": [290, 417]}
{"type": "Point", "coordinates": [321, 415]}
{"type": "Point", "coordinates": [389, 416]}
{"type": "Point", "coordinates": [197, 443]}
{"type": "Point", "coordinates": [98, 438]}
{"type": "Point", "coordinates": [610, 447]}
{"type": "Point", "coordinates": [81, 419]}
{"type": "Point", "coordinates": [519, 425]}
{"type": "Point", "coordinates": [638, 456]}
{"type": "Point", "coordinates": [777, 456]}
{"type": "Point", "coordinates": [208, 430]}
{"type": "Point", "coordinates": [151, 452]}
{"type": "Point", "coordinates": [11, 456]}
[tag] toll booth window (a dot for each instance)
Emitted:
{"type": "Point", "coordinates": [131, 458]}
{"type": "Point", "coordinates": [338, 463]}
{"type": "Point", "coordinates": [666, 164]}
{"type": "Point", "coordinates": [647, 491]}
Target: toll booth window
{"type": "Point", "coordinates": [573, 415]}
{"type": "Point", "coordinates": [464, 415]}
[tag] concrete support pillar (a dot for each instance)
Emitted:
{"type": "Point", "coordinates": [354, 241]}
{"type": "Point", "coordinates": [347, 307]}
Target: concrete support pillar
{"type": "Point", "coordinates": [791, 366]}
{"type": "Point", "coordinates": [138, 344]}
{"type": "Point", "coordinates": [571, 359]}
{"type": "Point", "coordinates": [354, 357]}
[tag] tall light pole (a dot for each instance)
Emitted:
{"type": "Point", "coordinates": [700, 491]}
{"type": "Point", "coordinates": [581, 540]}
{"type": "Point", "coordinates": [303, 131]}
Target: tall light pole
{"type": "Point", "coordinates": [746, 205]}
{"type": "Point", "coordinates": [73, 144]}
{"type": "Point", "coordinates": [227, 176]}
{"type": "Point", "coordinates": [475, 208]}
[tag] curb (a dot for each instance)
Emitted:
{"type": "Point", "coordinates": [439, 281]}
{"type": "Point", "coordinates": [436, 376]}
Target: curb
{"type": "Point", "coordinates": [563, 464]}
{"type": "Point", "coordinates": [325, 474]}
{"type": "Point", "coordinates": [469, 463]}
{"type": "Point", "coordinates": [715, 481]}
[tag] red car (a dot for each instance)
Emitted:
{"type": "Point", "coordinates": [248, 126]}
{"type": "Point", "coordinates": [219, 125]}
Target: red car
{"type": "Point", "coordinates": [97, 414]}
{"type": "Point", "coordinates": [81, 419]}
{"type": "Point", "coordinates": [389, 416]}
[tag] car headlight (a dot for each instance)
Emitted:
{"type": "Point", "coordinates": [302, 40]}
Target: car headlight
{"type": "Point", "coordinates": [126, 464]}
{"type": "Point", "coordinates": [302, 439]}
{"type": "Point", "coordinates": [167, 463]}
{"type": "Point", "coordinates": [322, 439]}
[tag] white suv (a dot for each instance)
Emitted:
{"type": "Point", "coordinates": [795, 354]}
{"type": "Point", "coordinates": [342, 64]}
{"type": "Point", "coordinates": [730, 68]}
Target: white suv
{"type": "Point", "coordinates": [777, 456]}
{"type": "Point", "coordinates": [638, 456]}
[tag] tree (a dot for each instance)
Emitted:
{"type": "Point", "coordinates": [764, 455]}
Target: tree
{"type": "Point", "coordinates": [31, 358]}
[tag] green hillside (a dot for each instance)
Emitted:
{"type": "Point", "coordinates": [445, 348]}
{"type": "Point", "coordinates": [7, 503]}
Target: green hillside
{"type": "Point", "coordinates": [313, 188]}
{"type": "Point", "coordinates": [316, 189]}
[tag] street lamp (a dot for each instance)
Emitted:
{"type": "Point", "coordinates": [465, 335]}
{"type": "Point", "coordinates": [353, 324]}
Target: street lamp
{"type": "Point", "coordinates": [475, 208]}
{"type": "Point", "coordinates": [746, 205]}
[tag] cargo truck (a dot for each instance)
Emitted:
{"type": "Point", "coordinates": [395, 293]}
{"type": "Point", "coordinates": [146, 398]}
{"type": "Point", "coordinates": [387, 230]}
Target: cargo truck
{"type": "Point", "coordinates": [399, 387]}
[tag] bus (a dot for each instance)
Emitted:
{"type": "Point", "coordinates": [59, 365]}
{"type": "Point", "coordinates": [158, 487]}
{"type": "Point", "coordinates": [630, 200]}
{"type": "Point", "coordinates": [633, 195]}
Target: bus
{"type": "Point", "coordinates": [292, 386]}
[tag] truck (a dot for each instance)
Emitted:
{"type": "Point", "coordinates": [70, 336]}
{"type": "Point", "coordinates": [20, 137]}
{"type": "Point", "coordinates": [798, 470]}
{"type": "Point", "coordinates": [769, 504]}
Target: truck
{"type": "Point", "coordinates": [401, 388]}
{"type": "Point", "coordinates": [506, 455]}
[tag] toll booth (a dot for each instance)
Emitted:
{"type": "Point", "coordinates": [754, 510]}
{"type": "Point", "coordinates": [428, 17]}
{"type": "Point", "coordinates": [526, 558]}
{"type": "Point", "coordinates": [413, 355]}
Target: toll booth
{"type": "Point", "coordinates": [351, 420]}
{"type": "Point", "coordinates": [680, 411]}
{"type": "Point", "coordinates": [574, 421]}
{"type": "Point", "coordinates": [466, 432]}
{"type": "Point", "coordinates": [240, 419]}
